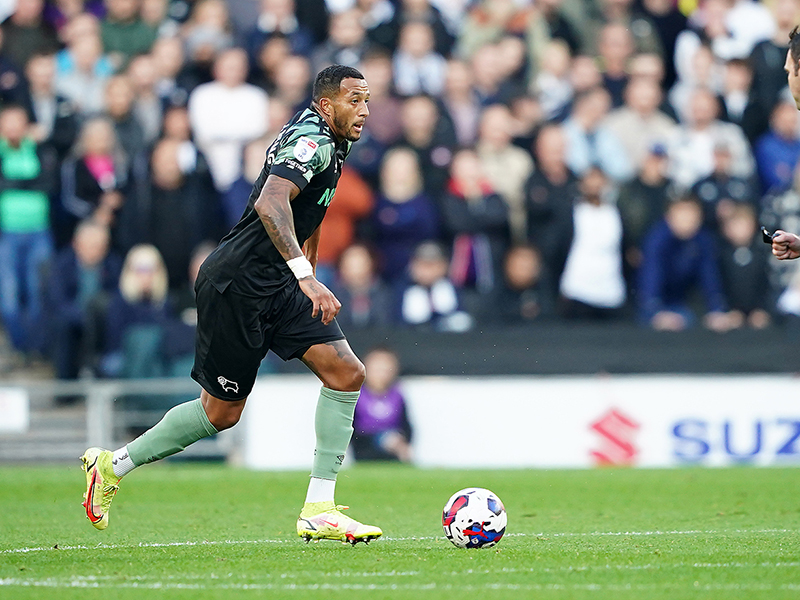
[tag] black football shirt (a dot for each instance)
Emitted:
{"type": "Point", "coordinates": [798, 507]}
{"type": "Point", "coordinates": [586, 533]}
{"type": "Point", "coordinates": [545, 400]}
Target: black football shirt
{"type": "Point", "coordinates": [307, 153]}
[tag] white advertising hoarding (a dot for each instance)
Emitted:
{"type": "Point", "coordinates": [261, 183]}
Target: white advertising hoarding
{"type": "Point", "coordinates": [556, 422]}
{"type": "Point", "coordinates": [14, 410]}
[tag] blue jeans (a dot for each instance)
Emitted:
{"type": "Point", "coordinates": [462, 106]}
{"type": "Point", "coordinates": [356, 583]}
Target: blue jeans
{"type": "Point", "coordinates": [23, 258]}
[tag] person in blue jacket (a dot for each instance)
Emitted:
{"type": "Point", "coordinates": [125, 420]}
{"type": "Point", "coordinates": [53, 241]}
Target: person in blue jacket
{"type": "Point", "coordinates": [679, 257]}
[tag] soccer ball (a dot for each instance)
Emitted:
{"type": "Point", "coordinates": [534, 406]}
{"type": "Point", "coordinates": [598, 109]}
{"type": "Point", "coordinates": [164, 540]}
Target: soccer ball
{"type": "Point", "coordinates": [474, 518]}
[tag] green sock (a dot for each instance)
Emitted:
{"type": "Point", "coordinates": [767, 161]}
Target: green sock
{"type": "Point", "coordinates": [333, 425]}
{"type": "Point", "coordinates": [182, 426]}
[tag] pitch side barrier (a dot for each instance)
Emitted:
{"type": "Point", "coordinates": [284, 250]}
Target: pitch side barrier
{"type": "Point", "coordinates": [58, 420]}
{"type": "Point", "coordinates": [584, 348]}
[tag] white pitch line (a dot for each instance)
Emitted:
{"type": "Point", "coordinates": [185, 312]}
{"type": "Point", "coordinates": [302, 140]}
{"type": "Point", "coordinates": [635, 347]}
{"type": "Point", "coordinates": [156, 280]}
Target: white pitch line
{"type": "Point", "coordinates": [541, 536]}
{"type": "Point", "coordinates": [83, 582]}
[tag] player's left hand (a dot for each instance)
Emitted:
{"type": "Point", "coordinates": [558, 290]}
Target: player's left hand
{"type": "Point", "coordinates": [323, 299]}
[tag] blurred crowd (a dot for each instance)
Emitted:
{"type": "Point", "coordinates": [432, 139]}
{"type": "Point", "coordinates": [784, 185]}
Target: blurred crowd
{"type": "Point", "coordinates": [523, 161]}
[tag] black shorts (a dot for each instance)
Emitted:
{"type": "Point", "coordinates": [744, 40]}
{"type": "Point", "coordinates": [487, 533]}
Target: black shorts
{"type": "Point", "coordinates": [235, 332]}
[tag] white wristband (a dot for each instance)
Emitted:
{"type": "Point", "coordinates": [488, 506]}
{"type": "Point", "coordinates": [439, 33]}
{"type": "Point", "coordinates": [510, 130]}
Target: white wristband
{"type": "Point", "coordinates": [300, 267]}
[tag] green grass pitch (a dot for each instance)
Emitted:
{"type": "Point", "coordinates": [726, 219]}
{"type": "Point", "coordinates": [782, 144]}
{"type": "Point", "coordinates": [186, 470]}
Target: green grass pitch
{"type": "Point", "coordinates": [193, 531]}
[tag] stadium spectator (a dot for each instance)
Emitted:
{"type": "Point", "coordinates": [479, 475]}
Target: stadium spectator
{"type": "Point", "coordinates": [552, 84]}
{"type": "Point", "coordinates": [728, 29]}
{"type": "Point", "coordinates": [174, 82]}
{"type": "Point", "coordinates": [460, 103]}
{"type": "Point", "coordinates": [528, 117]}
{"type": "Point", "coordinates": [124, 33]}
{"type": "Point", "coordinates": [84, 83]}
{"type": "Point", "coordinates": [383, 124]}
{"type": "Point", "coordinates": [80, 26]}
{"type": "Point", "coordinates": [721, 189]}
{"type": "Point", "coordinates": [557, 24]}
{"type": "Point", "coordinates": [59, 12]}
{"type": "Point", "coordinates": [523, 296]}
{"type": "Point", "coordinates": [591, 284]}
{"type": "Point", "coordinates": [549, 195]}
{"type": "Point", "coordinates": [691, 151]}
{"type": "Point", "coordinates": [94, 178]}
{"type": "Point", "coordinates": [155, 14]}
{"type": "Point", "coordinates": [431, 138]}
{"type": "Point", "coordinates": [147, 105]}
{"type": "Point", "coordinates": [615, 48]}
{"type": "Point", "coordinates": [642, 203]}
{"type": "Point", "coordinates": [735, 97]}
{"type": "Point", "coordinates": [584, 74]}
{"type": "Point", "coordinates": [386, 33]}
{"type": "Point", "coordinates": [53, 117]}
{"type": "Point", "coordinates": [705, 72]}
{"type": "Point", "coordinates": [206, 34]}
{"type": "Point", "coordinates": [26, 33]}
{"type": "Point", "coordinates": [506, 166]}
{"type": "Point", "coordinates": [377, 17]}
{"type": "Point", "coordinates": [639, 124]}
{"type": "Point", "coordinates": [475, 223]}
{"type": "Point", "coordinates": [27, 183]}
{"type": "Point", "coordinates": [366, 300]}
{"type": "Point", "coordinates": [12, 83]}
{"type": "Point", "coordinates": [743, 267]}
{"type": "Point", "coordinates": [234, 199]}
{"type": "Point", "coordinates": [264, 70]}
{"type": "Point", "coordinates": [353, 203]}
{"type": "Point", "coordinates": [174, 211]}
{"type": "Point", "coordinates": [591, 142]}
{"type": "Point", "coordinates": [668, 21]}
{"type": "Point", "coordinates": [514, 64]}
{"type": "Point", "coordinates": [119, 99]}
{"type": "Point", "coordinates": [278, 18]}
{"type": "Point", "coordinates": [767, 61]}
{"type": "Point", "coordinates": [190, 159]}
{"type": "Point", "coordinates": [430, 300]}
{"type": "Point", "coordinates": [381, 429]}
{"type": "Point", "coordinates": [487, 21]}
{"type": "Point", "coordinates": [135, 317]}
{"type": "Point", "coordinates": [489, 77]}
{"type": "Point", "coordinates": [84, 274]}
{"type": "Point", "coordinates": [628, 14]}
{"type": "Point", "coordinates": [405, 215]}
{"type": "Point", "coordinates": [679, 256]}
{"type": "Point", "coordinates": [293, 83]}
{"type": "Point", "coordinates": [222, 135]}
{"type": "Point", "coordinates": [418, 68]}
{"type": "Point", "coordinates": [778, 150]}
{"type": "Point", "coordinates": [347, 42]}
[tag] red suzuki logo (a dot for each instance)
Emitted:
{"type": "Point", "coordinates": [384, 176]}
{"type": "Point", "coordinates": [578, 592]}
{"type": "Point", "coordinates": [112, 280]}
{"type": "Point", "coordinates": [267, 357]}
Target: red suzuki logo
{"type": "Point", "coordinates": [617, 439]}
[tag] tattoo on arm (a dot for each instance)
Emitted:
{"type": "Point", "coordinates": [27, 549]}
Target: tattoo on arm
{"type": "Point", "coordinates": [275, 212]}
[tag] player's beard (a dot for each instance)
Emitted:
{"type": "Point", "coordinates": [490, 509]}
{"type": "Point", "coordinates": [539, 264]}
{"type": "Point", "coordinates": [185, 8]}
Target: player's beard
{"type": "Point", "coordinates": [345, 127]}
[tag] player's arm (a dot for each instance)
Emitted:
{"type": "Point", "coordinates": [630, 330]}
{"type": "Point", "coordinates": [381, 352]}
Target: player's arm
{"type": "Point", "coordinates": [273, 207]}
{"type": "Point", "coordinates": [785, 246]}
{"type": "Point", "coordinates": [311, 248]}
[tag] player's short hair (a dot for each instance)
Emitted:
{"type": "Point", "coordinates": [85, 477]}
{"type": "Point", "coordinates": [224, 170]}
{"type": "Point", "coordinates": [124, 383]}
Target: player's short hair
{"type": "Point", "coordinates": [329, 80]}
{"type": "Point", "coordinates": [794, 45]}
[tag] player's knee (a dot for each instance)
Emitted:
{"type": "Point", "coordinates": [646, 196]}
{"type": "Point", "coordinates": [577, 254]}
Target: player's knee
{"type": "Point", "coordinates": [225, 419]}
{"type": "Point", "coordinates": [224, 415]}
{"type": "Point", "coordinates": [350, 375]}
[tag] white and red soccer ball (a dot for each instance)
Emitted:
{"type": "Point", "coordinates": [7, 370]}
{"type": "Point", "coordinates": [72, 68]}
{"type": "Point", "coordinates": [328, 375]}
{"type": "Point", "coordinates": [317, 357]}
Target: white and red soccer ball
{"type": "Point", "coordinates": [474, 518]}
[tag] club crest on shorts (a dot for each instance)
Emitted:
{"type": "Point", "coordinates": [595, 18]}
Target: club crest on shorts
{"type": "Point", "coordinates": [228, 385]}
{"type": "Point", "coordinates": [304, 149]}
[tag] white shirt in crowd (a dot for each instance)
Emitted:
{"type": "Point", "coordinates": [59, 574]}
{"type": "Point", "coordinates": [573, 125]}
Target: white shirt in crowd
{"type": "Point", "coordinates": [224, 119]}
{"type": "Point", "coordinates": [593, 272]}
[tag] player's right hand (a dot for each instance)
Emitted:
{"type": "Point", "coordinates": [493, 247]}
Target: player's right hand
{"type": "Point", "coordinates": [324, 300]}
{"type": "Point", "coordinates": [785, 246]}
